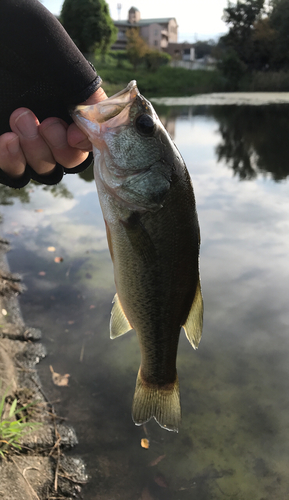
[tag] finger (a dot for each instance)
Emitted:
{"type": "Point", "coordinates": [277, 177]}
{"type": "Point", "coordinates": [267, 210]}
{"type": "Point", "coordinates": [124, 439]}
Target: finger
{"type": "Point", "coordinates": [99, 95]}
{"type": "Point", "coordinates": [54, 132]}
{"type": "Point", "coordinates": [37, 153]}
{"type": "Point", "coordinates": [76, 138]}
{"type": "Point", "coordinates": [12, 159]}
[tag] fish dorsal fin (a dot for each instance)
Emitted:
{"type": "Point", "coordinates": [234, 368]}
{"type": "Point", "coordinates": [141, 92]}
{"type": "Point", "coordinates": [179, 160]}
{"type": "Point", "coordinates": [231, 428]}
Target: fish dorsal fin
{"type": "Point", "coordinates": [194, 324]}
{"type": "Point", "coordinates": [119, 323]}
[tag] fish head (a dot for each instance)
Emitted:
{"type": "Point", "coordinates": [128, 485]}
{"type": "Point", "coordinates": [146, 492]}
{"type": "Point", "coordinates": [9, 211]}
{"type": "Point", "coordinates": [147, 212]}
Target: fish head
{"type": "Point", "coordinates": [125, 128]}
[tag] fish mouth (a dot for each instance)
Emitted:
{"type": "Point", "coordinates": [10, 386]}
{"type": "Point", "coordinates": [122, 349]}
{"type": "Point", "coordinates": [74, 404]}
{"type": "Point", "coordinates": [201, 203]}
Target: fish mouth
{"type": "Point", "coordinates": [104, 110]}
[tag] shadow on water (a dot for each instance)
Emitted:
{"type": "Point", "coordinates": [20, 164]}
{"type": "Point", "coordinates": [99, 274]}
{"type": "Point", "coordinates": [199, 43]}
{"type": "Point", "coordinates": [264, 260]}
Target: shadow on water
{"type": "Point", "coordinates": [234, 439]}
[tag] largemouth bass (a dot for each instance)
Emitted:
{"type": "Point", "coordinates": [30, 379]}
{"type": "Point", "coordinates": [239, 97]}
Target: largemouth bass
{"type": "Point", "coordinates": [148, 205]}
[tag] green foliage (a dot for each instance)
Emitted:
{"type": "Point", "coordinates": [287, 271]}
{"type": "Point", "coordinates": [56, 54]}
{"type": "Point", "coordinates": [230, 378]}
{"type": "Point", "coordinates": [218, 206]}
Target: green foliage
{"type": "Point", "coordinates": [154, 59]}
{"type": "Point", "coordinates": [232, 68]}
{"type": "Point", "coordinates": [14, 427]}
{"type": "Point", "coordinates": [279, 22]}
{"type": "Point", "coordinates": [136, 47]}
{"type": "Point", "coordinates": [258, 36]}
{"type": "Point", "coordinates": [89, 24]}
{"type": "Point", "coordinates": [204, 48]}
{"type": "Point", "coordinates": [165, 81]}
{"type": "Point", "coordinates": [240, 18]}
{"type": "Point", "coordinates": [139, 53]}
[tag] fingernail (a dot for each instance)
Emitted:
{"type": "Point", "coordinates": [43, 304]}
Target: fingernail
{"type": "Point", "coordinates": [13, 146]}
{"type": "Point", "coordinates": [26, 125]}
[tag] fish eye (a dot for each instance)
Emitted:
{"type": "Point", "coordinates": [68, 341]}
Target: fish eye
{"type": "Point", "coordinates": [145, 125]}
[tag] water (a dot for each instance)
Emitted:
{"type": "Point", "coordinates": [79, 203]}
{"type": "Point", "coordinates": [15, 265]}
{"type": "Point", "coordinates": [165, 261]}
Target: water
{"type": "Point", "coordinates": [234, 438]}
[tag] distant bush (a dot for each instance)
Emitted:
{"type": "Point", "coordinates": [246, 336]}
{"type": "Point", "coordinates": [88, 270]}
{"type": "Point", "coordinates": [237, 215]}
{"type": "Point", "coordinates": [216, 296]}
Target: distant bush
{"type": "Point", "coordinates": [154, 59]}
{"type": "Point", "coordinates": [164, 82]}
{"type": "Point", "coordinates": [270, 81]}
{"type": "Point", "coordinates": [232, 69]}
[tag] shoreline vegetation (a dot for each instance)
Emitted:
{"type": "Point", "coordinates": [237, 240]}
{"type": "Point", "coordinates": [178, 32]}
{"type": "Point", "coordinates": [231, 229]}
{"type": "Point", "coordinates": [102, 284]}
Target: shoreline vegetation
{"type": "Point", "coordinates": [166, 81]}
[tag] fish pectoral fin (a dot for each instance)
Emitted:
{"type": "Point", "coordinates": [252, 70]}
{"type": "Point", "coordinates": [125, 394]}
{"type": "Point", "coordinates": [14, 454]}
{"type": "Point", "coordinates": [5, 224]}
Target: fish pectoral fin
{"type": "Point", "coordinates": [139, 238]}
{"type": "Point", "coordinates": [194, 324]}
{"type": "Point", "coordinates": [162, 403]}
{"type": "Point", "coordinates": [119, 323]}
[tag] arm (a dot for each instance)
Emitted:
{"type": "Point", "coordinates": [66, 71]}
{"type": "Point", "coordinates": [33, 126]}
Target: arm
{"type": "Point", "coordinates": [41, 70]}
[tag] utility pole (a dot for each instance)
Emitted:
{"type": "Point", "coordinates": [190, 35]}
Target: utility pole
{"type": "Point", "coordinates": [119, 10]}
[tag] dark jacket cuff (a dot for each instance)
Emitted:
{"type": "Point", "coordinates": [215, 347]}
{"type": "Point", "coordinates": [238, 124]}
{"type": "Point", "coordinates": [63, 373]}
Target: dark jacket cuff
{"type": "Point", "coordinates": [53, 178]}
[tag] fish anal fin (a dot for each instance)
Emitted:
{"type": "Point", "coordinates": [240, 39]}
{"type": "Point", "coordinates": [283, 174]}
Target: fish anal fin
{"type": "Point", "coordinates": [119, 323]}
{"type": "Point", "coordinates": [194, 323]}
{"type": "Point", "coordinates": [162, 403]}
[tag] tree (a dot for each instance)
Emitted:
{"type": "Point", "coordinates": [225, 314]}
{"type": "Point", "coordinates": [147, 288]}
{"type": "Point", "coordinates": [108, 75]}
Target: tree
{"type": "Point", "coordinates": [136, 47]}
{"type": "Point", "coordinates": [89, 24]}
{"type": "Point", "coordinates": [279, 22]}
{"type": "Point", "coordinates": [241, 18]}
{"type": "Point", "coordinates": [204, 48]}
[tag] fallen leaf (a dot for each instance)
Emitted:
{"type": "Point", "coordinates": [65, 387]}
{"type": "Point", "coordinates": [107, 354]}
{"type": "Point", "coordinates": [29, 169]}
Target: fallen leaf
{"type": "Point", "coordinates": [58, 259]}
{"type": "Point", "coordinates": [42, 273]}
{"type": "Point", "coordinates": [160, 480]}
{"type": "Point", "coordinates": [145, 443]}
{"type": "Point", "coordinates": [156, 461]}
{"type": "Point", "coordinates": [61, 380]}
{"type": "Point", "coordinates": [51, 249]}
{"type": "Point", "coordinates": [4, 312]}
{"type": "Point", "coordinates": [145, 495]}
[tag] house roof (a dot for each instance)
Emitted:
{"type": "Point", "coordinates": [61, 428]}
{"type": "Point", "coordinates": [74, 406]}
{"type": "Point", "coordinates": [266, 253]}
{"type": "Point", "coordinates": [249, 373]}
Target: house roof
{"type": "Point", "coordinates": [144, 22]}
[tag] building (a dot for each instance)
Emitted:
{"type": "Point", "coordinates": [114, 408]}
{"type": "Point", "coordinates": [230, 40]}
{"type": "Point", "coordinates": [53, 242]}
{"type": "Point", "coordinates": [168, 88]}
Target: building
{"type": "Point", "coordinates": [157, 33]}
{"type": "Point", "coordinates": [181, 51]}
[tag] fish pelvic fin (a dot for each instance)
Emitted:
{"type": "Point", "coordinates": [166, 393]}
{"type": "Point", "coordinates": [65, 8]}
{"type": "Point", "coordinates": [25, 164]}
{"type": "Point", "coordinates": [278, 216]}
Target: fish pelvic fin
{"type": "Point", "coordinates": [119, 323]}
{"type": "Point", "coordinates": [162, 403]}
{"type": "Point", "coordinates": [194, 324]}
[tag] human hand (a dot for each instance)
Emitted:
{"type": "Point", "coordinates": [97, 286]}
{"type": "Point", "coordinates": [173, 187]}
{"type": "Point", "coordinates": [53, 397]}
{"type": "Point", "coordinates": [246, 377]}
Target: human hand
{"type": "Point", "coordinates": [42, 145]}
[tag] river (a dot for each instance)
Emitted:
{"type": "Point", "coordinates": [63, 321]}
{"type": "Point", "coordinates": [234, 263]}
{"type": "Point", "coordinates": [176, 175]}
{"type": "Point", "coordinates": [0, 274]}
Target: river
{"type": "Point", "coordinates": [234, 438]}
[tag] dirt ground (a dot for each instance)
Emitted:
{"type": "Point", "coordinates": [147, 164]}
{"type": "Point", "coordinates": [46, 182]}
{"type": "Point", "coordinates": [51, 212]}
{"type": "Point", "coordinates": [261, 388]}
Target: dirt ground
{"type": "Point", "coordinates": [40, 470]}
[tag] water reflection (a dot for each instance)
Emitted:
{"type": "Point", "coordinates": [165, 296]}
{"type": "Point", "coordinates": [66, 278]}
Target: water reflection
{"type": "Point", "coordinates": [234, 439]}
{"type": "Point", "coordinates": [253, 138]}
{"type": "Point", "coordinates": [8, 195]}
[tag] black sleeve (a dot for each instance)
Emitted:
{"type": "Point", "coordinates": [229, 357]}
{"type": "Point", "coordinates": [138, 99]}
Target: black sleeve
{"type": "Point", "coordinates": [41, 69]}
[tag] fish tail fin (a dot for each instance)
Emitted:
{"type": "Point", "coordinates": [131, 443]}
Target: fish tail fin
{"type": "Point", "coordinates": [162, 403]}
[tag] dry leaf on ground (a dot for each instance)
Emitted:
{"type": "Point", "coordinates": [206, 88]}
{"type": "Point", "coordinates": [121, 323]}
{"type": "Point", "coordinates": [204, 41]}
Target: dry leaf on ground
{"type": "Point", "coordinates": [145, 443]}
{"type": "Point", "coordinates": [156, 461]}
{"type": "Point", "coordinates": [145, 495]}
{"type": "Point", "coordinates": [61, 380]}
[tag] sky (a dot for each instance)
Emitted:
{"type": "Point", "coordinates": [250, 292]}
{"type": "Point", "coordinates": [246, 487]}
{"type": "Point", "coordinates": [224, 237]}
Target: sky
{"type": "Point", "coordinates": [197, 20]}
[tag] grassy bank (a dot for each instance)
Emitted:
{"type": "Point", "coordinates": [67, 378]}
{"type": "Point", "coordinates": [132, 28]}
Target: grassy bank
{"type": "Point", "coordinates": [165, 81]}
{"type": "Point", "coordinates": [179, 82]}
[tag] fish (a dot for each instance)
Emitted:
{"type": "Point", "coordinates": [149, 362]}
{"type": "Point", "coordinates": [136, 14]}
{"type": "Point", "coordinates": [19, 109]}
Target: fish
{"type": "Point", "coordinates": [148, 205]}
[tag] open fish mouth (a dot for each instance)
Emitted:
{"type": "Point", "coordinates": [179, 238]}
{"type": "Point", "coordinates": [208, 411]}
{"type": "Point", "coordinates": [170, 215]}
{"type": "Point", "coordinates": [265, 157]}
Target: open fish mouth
{"type": "Point", "coordinates": [104, 111]}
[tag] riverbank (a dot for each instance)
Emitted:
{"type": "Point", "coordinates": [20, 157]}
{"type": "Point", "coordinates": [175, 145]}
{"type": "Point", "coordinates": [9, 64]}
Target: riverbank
{"type": "Point", "coordinates": [40, 470]}
{"type": "Point", "coordinates": [179, 82]}
{"type": "Point", "coordinates": [226, 99]}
